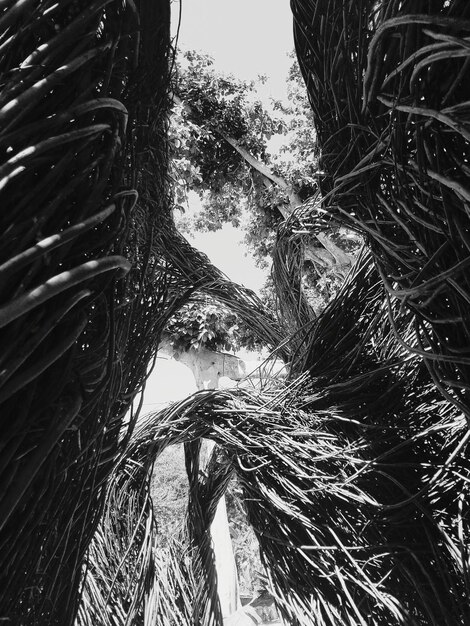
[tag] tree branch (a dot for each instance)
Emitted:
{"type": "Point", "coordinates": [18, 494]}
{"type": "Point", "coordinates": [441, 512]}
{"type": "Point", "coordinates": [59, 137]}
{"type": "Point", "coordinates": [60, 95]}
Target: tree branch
{"type": "Point", "coordinates": [327, 257]}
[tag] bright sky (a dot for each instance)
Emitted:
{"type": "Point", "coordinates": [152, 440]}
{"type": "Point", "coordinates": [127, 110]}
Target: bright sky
{"type": "Point", "coordinates": [227, 251]}
{"type": "Point", "coordinates": [246, 38]}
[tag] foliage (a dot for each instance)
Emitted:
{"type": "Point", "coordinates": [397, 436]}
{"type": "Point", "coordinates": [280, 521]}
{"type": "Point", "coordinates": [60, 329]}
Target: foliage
{"type": "Point", "coordinates": [297, 158]}
{"type": "Point", "coordinates": [212, 107]}
{"type": "Point", "coordinates": [211, 104]}
{"type": "Point", "coordinates": [209, 325]}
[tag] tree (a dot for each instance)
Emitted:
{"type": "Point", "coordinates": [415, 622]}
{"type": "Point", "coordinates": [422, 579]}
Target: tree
{"type": "Point", "coordinates": [204, 336]}
{"type": "Point", "coordinates": [196, 335]}
{"type": "Point", "coordinates": [220, 134]}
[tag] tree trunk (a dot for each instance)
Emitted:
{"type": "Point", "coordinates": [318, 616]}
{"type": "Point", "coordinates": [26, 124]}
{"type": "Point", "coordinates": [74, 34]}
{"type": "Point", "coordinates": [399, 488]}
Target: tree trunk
{"type": "Point", "coordinates": [227, 574]}
{"type": "Point", "coordinates": [208, 367]}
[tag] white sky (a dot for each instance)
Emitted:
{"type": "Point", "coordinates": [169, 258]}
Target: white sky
{"type": "Point", "coordinates": [246, 38]}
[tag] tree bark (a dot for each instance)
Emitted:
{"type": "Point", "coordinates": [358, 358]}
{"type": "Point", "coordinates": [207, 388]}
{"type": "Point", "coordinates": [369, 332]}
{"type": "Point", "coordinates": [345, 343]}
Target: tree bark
{"type": "Point", "coordinates": [261, 167]}
{"type": "Point", "coordinates": [341, 257]}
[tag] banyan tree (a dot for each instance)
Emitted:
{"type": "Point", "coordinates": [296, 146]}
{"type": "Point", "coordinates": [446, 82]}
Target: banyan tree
{"type": "Point", "coordinates": [354, 467]}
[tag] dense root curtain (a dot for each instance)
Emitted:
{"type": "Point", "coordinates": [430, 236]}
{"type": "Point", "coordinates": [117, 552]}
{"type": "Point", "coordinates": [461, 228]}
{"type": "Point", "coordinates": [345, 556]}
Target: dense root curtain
{"type": "Point", "coordinates": [389, 86]}
{"type": "Point", "coordinates": [354, 477]}
{"type": "Point", "coordinates": [82, 296]}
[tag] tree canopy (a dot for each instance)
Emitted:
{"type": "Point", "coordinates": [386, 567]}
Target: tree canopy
{"type": "Point", "coordinates": [250, 163]}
